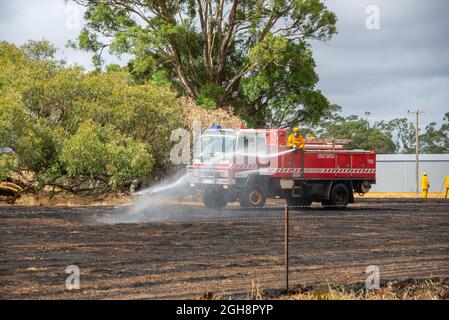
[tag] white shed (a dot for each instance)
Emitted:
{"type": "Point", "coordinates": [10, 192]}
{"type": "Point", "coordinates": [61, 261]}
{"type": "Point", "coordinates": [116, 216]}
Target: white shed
{"type": "Point", "coordinates": [396, 172]}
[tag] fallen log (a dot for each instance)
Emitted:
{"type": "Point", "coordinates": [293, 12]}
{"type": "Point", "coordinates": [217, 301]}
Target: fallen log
{"type": "Point", "coordinates": [9, 189]}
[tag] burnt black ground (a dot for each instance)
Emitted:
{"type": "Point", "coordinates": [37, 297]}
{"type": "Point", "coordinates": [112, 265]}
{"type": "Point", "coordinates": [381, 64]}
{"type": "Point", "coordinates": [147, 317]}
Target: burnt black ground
{"type": "Point", "coordinates": [185, 251]}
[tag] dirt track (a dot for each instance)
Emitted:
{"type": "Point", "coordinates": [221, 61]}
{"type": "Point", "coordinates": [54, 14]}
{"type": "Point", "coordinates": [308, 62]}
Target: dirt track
{"type": "Point", "coordinates": [196, 251]}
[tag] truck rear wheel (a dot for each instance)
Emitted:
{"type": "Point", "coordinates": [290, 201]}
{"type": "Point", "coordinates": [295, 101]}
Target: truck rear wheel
{"type": "Point", "coordinates": [339, 196]}
{"type": "Point", "coordinates": [253, 197]}
{"type": "Point", "coordinates": [214, 198]}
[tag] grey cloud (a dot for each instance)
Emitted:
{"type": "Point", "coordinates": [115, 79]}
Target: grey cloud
{"type": "Point", "coordinates": [52, 20]}
{"type": "Point", "coordinates": [403, 65]}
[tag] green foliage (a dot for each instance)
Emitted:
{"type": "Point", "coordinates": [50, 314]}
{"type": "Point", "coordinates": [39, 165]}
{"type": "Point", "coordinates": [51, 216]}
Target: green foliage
{"type": "Point", "coordinates": [436, 140]}
{"type": "Point", "coordinates": [362, 136]}
{"type": "Point", "coordinates": [8, 164]}
{"type": "Point", "coordinates": [112, 67]}
{"type": "Point", "coordinates": [98, 151]}
{"type": "Point", "coordinates": [68, 126]}
{"type": "Point", "coordinates": [160, 78]}
{"type": "Point", "coordinates": [253, 55]}
{"type": "Point", "coordinates": [402, 132]}
{"type": "Point", "coordinates": [209, 95]}
{"type": "Point", "coordinates": [287, 88]}
{"type": "Point", "coordinates": [394, 136]}
{"type": "Point", "coordinates": [357, 130]}
{"type": "Point", "coordinates": [39, 50]}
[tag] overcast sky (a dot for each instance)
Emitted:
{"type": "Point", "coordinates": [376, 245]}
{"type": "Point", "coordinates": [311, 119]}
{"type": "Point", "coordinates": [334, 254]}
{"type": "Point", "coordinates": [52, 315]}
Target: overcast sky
{"type": "Point", "coordinates": [400, 62]}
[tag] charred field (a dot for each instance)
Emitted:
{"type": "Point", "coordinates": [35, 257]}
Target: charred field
{"type": "Point", "coordinates": [188, 252]}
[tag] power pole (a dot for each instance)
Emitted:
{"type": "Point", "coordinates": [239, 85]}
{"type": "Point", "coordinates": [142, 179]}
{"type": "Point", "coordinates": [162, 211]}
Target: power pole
{"type": "Point", "coordinates": [417, 113]}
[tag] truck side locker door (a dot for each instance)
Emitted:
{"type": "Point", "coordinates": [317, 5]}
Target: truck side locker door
{"type": "Point", "coordinates": [342, 165]}
{"type": "Point", "coordinates": [298, 164]}
{"type": "Point", "coordinates": [358, 163]}
{"type": "Point", "coordinates": [303, 161]}
{"type": "Point", "coordinates": [361, 163]}
{"type": "Point", "coordinates": [286, 164]}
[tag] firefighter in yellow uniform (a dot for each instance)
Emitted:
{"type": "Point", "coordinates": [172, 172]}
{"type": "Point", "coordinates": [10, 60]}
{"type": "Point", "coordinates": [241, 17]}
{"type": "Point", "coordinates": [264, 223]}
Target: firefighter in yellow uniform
{"type": "Point", "coordinates": [446, 185]}
{"type": "Point", "coordinates": [425, 185]}
{"type": "Point", "coordinates": [295, 140]}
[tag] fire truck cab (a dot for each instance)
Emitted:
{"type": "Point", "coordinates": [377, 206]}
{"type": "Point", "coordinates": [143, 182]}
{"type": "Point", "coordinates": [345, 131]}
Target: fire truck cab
{"type": "Point", "coordinates": [251, 165]}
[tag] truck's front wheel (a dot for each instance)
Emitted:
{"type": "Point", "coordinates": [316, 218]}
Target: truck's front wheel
{"type": "Point", "coordinates": [214, 198]}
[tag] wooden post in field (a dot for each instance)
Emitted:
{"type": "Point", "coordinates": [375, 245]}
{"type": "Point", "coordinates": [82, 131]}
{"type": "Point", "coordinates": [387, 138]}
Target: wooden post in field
{"type": "Point", "coordinates": [286, 247]}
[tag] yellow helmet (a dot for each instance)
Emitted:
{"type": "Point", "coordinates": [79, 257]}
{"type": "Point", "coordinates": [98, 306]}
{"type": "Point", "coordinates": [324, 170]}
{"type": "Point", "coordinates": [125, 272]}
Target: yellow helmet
{"type": "Point", "coordinates": [295, 129]}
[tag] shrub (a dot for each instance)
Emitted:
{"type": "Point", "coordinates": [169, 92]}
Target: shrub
{"type": "Point", "coordinates": [66, 125]}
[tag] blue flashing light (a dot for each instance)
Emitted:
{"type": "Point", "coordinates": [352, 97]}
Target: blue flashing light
{"type": "Point", "coordinates": [215, 127]}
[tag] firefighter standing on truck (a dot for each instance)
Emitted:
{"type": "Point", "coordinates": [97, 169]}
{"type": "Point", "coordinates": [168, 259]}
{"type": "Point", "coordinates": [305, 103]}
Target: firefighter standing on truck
{"type": "Point", "coordinates": [295, 140]}
{"type": "Point", "coordinates": [446, 185]}
{"type": "Point", "coordinates": [425, 185]}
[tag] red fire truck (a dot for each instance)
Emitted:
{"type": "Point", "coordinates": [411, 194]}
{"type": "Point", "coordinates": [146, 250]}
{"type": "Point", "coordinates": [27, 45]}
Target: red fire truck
{"type": "Point", "coordinates": [251, 165]}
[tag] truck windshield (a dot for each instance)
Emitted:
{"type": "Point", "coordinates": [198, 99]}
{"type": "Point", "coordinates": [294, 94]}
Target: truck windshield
{"type": "Point", "coordinates": [215, 145]}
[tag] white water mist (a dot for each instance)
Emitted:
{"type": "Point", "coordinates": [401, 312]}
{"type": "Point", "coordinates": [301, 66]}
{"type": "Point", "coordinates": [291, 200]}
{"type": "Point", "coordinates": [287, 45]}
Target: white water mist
{"type": "Point", "coordinates": [155, 203]}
